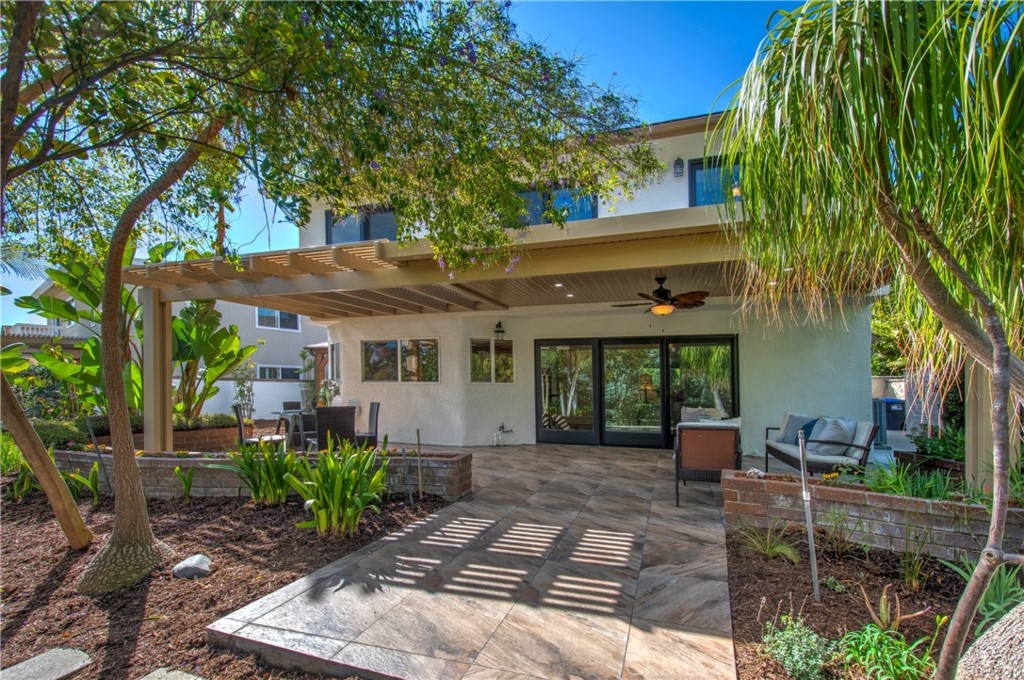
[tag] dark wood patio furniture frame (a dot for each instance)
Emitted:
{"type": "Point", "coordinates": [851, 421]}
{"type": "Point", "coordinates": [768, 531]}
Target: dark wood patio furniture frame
{"type": "Point", "coordinates": [814, 467]}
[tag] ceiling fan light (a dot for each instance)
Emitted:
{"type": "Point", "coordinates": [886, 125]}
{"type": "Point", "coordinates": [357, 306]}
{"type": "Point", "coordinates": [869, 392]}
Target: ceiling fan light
{"type": "Point", "coordinates": [662, 309]}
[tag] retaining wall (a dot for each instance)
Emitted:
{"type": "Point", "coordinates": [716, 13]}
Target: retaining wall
{"type": "Point", "coordinates": [207, 440]}
{"type": "Point", "coordinates": [938, 528]}
{"type": "Point", "coordinates": [449, 475]}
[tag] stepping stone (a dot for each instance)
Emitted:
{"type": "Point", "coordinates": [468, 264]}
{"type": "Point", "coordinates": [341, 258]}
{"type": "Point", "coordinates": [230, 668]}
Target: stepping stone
{"type": "Point", "coordinates": [166, 673]}
{"type": "Point", "coordinates": [55, 664]}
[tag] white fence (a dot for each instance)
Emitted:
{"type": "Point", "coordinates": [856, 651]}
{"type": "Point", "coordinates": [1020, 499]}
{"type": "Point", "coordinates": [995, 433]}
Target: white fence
{"type": "Point", "coordinates": [268, 396]}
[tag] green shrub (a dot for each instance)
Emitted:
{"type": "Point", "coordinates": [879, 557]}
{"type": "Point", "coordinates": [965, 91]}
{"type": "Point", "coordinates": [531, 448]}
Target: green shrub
{"type": "Point", "coordinates": [185, 478]}
{"type": "Point", "coordinates": [1004, 592]}
{"type": "Point", "coordinates": [886, 655]}
{"type": "Point", "coordinates": [801, 651]}
{"type": "Point", "coordinates": [263, 468]}
{"type": "Point", "coordinates": [101, 426]}
{"type": "Point", "coordinates": [339, 488]}
{"type": "Point", "coordinates": [901, 480]}
{"type": "Point", "coordinates": [214, 420]}
{"type": "Point", "coordinates": [949, 444]}
{"type": "Point", "coordinates": [770, 542]}
{"type": "Point", "coordinates": [10, 455]}
{"type": "Point", "coordinates": [57, 433]}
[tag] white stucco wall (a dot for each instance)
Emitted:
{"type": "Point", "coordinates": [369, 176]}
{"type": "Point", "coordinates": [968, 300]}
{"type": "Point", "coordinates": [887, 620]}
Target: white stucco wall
{"type": "Point", "coordinates": [801, 368]}
{"type": "Point", "coordinates": [666, 192]}
{"type": "Point", "coordinates": [268, 396]}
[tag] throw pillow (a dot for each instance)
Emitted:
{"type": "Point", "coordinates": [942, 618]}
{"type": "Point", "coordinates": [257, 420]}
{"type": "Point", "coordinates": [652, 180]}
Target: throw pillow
{"type": "Point", "coordinates": [690, 415]}
{"type": "Point", "coordinates": [832, 430]}
{"type": "Point", "coordinates": [791, 424]}
{"type": "Point", "coordinates": [808, 428]}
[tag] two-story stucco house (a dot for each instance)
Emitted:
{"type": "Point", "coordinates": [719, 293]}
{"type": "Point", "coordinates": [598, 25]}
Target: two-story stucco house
{"type": "Point", "coordinates": [543, 354]}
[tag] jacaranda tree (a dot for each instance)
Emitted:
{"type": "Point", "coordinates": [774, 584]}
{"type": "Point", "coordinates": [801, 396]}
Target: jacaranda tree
{"type": "Point", "coordinates": [442, 111]}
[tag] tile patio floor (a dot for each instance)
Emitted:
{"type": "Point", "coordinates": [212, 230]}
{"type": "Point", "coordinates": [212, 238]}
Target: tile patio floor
{"type": "Point", "coordinates": [567, 562]}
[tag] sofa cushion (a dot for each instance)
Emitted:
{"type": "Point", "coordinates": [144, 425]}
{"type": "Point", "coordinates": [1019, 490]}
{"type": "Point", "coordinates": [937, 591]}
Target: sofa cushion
{"type": "Point", "coordinates": [690, 415]}
{"type": "Point", "coordinates": [793, 450]}
{"type": "Point", "coordinates": [791, 424]}
{"type": "Point", "coordinates": [830, 429]}
{"type": "Point", "coordinates": [808, 427]}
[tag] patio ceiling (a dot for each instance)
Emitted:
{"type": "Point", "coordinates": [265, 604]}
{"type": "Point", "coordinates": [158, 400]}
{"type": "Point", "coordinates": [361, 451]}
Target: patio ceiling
{"type": "Point", "coordinates": [607, 260]}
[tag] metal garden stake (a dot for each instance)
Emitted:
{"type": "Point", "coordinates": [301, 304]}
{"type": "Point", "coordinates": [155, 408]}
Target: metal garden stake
{"type": "Point", "coordinates": [807, 516]}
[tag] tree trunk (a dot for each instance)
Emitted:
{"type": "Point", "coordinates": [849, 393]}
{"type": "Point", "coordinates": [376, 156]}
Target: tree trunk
{"type": "Point", "coordinates": [132, 550]}
{"type": "Point", "coordinates": [38, 458]}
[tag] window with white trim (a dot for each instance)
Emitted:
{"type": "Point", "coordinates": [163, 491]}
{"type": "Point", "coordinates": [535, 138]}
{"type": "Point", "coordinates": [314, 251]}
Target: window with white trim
{"type": "Point", "coordinates": [264, 372]}
{"type": "Point", "coordinates": [407, 360]}
{"type": "Point", "coordinates": [272, 318]}
{"type": "Point", "coordinates": [491, 361]}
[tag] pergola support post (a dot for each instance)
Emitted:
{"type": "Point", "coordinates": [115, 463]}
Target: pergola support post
{"type": "Point", "coordinates": [156, 371]}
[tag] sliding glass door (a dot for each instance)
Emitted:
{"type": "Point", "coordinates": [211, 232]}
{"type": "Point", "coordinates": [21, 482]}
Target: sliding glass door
{"type": "Point", "coordinates": [632, 392]}
{"type": "Point", "coordinates": [566, 396]}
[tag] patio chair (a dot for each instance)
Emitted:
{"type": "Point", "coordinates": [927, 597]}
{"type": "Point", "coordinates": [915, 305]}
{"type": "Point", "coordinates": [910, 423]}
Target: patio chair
{"type": "Point", "coordinates": [369, 438]}
{"type": "Point", "coordinates": [306, 431]}
{"type": "Point", "coordinates": [827, 448]}
{"type": "Point", "coordinates": [338, 422]}
{"type": "Point", "coordinates": [291, 405]}
{"type": "Point", "coordinates": [277, 437]}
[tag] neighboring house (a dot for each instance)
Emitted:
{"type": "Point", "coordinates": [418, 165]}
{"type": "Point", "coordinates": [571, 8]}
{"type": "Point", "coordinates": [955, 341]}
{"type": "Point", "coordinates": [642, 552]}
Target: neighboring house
{"type": "Point", "coordinates": [542, 354]}
{"type": "Point", "coordinates": [278, 366]}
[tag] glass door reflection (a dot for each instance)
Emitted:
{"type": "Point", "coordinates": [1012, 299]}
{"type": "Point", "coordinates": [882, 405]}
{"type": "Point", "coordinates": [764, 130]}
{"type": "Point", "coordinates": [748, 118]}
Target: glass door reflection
{"type": "Point", "coordinates": [566, 393]}
{"type": "Point", "coordinates": [632, 394]}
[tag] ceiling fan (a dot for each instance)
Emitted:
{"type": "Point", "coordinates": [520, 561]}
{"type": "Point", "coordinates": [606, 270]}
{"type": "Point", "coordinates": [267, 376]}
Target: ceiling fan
{"type": "Point", "coordinates": [663, 303]}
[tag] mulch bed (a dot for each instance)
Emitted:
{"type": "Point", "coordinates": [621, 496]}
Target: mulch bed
{"type": "Point", "coordinates": [763, 590]}
{"type": "Point", "coordinates": [160, 622]}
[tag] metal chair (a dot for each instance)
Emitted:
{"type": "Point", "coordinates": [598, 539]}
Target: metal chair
{"type": "Point", "coordinates": [250, 441]}
{"type": "Point", "coordinates": [339, 422]}
{"type": "Point", "coordinates": [369, 438]}
{"type": "Point", "coordinates": [291, 406]}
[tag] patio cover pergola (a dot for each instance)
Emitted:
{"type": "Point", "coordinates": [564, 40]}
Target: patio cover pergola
{"type": "Point", "coordinates": [601, 260]}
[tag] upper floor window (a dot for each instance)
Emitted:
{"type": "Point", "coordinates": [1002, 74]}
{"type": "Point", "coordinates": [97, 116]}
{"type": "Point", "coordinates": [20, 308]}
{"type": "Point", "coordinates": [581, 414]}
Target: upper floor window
{"type": "Point", "coordinates": [561, 200]}
{"type": "Point", "coordinates": [365, 225]}
{"type": "Point", "coordinates": [271, 318]}
{"type": "Point", "coordinates": [706, 188]}
{"type": "Point", "coordinates": [264, 372]}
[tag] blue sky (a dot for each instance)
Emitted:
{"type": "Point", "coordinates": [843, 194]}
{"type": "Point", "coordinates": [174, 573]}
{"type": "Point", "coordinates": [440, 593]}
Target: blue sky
{"type": "Point", "coordinates": [676, 58]}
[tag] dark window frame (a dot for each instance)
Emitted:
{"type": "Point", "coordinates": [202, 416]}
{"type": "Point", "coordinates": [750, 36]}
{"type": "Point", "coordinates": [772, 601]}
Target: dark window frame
{"type": "Point", "coordinates": [695, 165]}
{"type": "Point", "coordinates": [365, 217]}
{"type": "Point", "coordinates": [547, 197]}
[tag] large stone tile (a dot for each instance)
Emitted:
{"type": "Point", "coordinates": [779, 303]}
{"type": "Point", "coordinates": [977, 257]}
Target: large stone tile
{"type": "Point", "coordinates": [667, 597]}
{"type": "Point", "coordinates": [489, 574]}
{"type": "Point", "coordinates": [386, 664]}
{"type": "Point", "coordinates": [588, 545]}
{"type": "Point", "coordinates": [484, 673]}
{"type": "Point", "coordinates": [549, 642]}
{"type": "Point", "coordinates": [556, 500]}
{"type": "Point", "coordinates": [691, 559]}
{"type": "Point", "coordinates": [587, 588]}
{"type": "Point", "coordinates": [618, 505]}
{"type": "Point", "coordinates": [523, 536]}
{"type": "Point", "coordinates": [456, 629]}
{"type": "Point", "coordinates": [287, 648]}
{"type": "Point", "coordinates": [658, 650]}
{"type": "Point", "coordinates": [342, 613]}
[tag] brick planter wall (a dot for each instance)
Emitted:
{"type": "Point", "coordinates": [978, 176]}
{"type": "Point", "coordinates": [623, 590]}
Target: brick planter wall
{"type": "Point", "coordinates": [449, 475]}
{"type": "Point", "coordinates": [938, 528]}
{"type": "Point", "coordinates": [207, 440]}
{"type": "Point", "coordinates": [158, 480]}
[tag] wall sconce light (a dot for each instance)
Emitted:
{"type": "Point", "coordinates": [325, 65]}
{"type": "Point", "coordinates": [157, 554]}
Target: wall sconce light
{"type": "Point", "coordinates": [679, 168]}
{"type": "Point", "coordinates": [499, 332]}
{"type": "Point", "coordinates": [662, 309]}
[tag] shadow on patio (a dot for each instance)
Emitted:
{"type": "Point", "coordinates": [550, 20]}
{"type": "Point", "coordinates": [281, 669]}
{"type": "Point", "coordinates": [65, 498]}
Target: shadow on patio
{"type": "Point", "coordinates": [566, 562]}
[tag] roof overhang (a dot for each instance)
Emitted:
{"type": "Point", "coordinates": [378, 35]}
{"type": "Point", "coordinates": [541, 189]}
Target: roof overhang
{"type": "Point", "coordinates": [608, 259]}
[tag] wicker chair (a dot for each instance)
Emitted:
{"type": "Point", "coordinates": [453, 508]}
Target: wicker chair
{"type": "Point", "coordinates": [337, 421]}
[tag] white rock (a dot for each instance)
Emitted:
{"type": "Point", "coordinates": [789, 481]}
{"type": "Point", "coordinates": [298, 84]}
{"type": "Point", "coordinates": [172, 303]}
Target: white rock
{"type": "Point", "coordinates": [197, 566]}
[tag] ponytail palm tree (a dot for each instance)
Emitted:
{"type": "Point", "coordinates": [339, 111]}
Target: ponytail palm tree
{"type": "Point", "coordinates": [882, 143]}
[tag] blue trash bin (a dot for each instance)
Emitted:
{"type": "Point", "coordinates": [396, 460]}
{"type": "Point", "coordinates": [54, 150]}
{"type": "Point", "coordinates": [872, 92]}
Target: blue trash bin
{"type": "Point", "coordinates": [895, 413]}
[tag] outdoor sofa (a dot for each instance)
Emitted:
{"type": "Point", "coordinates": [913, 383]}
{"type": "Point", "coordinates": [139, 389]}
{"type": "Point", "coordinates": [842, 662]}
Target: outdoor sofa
{"type": "Point", "coordinates": [831, 442]}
